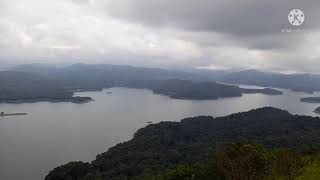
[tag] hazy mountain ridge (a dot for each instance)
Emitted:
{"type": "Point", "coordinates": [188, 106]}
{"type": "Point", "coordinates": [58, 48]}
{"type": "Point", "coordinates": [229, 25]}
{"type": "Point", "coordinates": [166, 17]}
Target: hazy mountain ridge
{"type": "Point", "coordinates": [58, 84]}
{"type": "Point", "coordinates": [296, 82]}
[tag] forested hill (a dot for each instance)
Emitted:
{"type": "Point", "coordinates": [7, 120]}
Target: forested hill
{"type": "Point", "coordinates": [17, 87]}
{"type": "Point", "coordinates": [162, 146]}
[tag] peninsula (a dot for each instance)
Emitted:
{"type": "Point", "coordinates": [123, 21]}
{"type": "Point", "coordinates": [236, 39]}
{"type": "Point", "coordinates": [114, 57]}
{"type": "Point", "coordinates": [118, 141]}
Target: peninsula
{"type": "Point", "coordinates": [12, 114]}
{"type": "Point", "coordinates": [317, 110]}
{"type": "Point", "coordinates": [310, 99]}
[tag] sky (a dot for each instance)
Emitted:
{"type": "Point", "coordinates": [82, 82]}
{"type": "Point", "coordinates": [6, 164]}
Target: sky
{"type": "Point", "coordinates": [202, 34]}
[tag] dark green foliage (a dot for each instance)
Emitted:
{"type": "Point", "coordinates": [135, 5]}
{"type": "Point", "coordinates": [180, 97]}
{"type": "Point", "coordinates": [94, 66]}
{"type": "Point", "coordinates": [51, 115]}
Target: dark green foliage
{"type": "Point", "coordinates": [244, 162]}
{"type": "Point", "coordinates": [163, 146]}
{"type": "Point", "coordinates": [188, 172]}
{"type": "Point", "coordinates": [289, 164]}
{"type": "Point", "coordinates": [72, 171]}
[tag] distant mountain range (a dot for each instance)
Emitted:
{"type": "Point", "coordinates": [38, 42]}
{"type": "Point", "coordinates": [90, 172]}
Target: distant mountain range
{"type": "Point", "coordinates": [36, 82]}
{"type": "Point", "coordinates": [296, 82]}
{"type": "Point", "coordinates": [95, 74]}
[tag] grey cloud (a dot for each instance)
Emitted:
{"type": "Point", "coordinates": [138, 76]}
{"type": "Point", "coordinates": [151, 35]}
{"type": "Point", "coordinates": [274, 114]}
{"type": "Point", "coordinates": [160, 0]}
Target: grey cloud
{"type": "Point", "coordinates": [249, 23]}
{"type": "Point", "coordinates": [241, 18]}
{"type": "Point", "coordinates": [161, 33]}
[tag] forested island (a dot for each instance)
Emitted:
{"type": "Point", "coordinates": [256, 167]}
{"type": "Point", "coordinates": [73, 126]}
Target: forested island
{"type": "Point", "coordinates": [310, 99]}
{"type": "Point", "coordinates": [266, 91]}
{"type": "Point", "coordinates": [182, 149]}
{"type": "Point", "coordinates": [186, 89]}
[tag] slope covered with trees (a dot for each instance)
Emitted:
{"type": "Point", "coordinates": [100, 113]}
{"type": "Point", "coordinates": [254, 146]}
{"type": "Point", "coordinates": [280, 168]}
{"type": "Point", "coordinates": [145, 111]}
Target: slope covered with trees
{"type": "Point", "coordinates": [243, 162]}
{"type": "Point", "coordinates": [159, 147]}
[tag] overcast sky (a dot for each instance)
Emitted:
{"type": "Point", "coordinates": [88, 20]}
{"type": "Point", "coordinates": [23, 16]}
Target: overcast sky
{"type": "Point", "coordinates": [238, 34]}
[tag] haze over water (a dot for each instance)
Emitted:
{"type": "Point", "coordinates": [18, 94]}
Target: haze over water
{"type": "Point", "coordinates": [56, 133]}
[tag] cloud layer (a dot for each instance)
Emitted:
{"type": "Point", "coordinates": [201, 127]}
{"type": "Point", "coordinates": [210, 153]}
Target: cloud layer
{"type": "Point", "coordinates": [177, 33]}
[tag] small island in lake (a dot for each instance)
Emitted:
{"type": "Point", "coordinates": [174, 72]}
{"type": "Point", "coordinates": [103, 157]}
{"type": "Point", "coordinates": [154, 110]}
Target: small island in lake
{"type": "Point", "coordinates": [195, 90]}
{"type": "Point", "coordinates": [310, 99]}
{"type": "Point", "coordinates": [79, 99]}
{"type": "Point", "coordinates": [266, 91]}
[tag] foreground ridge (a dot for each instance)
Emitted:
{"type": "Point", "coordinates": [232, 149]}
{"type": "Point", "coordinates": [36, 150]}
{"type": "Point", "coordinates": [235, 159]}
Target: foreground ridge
{"type": "Point", "coordinates": [162, 146]}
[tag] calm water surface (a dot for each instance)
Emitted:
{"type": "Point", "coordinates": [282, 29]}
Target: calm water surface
{"type": "Point", "coordinates": [55, 133]}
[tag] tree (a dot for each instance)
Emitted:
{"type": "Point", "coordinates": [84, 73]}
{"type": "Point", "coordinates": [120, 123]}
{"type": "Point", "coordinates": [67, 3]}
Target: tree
{"type": "Point", "coordinates": [289, 164]}
{"type": "Point", "coordinates": [245, 162]}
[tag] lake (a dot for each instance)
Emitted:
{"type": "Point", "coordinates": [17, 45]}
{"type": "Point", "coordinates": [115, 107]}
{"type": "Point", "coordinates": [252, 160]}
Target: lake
{"type": "Point", "coordinates": [55, 133]}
